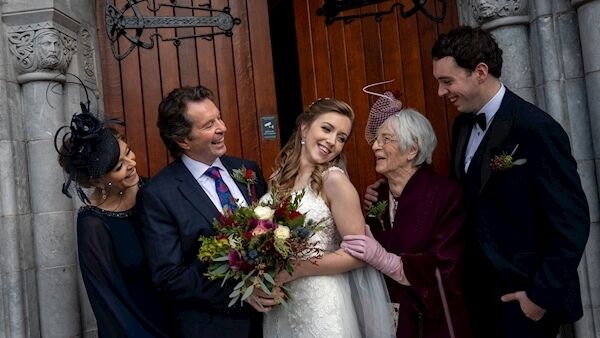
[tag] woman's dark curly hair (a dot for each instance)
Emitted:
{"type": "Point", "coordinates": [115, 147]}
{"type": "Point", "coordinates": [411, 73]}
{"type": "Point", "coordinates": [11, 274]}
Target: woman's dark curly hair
{"type": "Point", "coordinates": [470, 46]}
{"type": "Point", "coordinates": [173, 121]}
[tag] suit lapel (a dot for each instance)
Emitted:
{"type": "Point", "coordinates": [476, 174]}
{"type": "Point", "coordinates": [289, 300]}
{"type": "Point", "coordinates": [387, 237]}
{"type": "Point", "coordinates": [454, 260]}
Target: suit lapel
{"type": "Point", "coordinates": [497, 134]}
{"type": "Point", "coordinates": [193, 192]}
{"type": "Point", "coordinates": [461, 147]}
{"type": "Point", "coordinates": [230, 164]}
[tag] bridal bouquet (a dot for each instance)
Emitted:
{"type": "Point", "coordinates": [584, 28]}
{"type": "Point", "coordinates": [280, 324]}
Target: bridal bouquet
{"type": "Point", "coordinates": [252, 244]}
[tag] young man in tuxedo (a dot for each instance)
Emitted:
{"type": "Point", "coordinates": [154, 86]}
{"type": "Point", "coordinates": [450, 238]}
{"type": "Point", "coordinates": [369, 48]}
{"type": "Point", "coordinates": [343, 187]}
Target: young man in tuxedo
{"type": "Point", "coordinates": [179, 205]}
{"type": "Point", "coordinates": [527, 215]}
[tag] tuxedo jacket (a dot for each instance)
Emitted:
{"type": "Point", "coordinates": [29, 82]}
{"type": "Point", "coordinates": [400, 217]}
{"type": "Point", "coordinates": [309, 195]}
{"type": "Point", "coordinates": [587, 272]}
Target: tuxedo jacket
{"type": "Point", "coordinates": [176, 212]}
{"type": "Point", "coordinates": [531, 221]}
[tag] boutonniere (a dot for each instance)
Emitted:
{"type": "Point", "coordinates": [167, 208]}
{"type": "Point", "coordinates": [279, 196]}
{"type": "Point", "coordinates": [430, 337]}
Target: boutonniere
{"type": "Point", "coordinates": [247, 177]}
{"type": "Point", "coordinates": [506, 161]}
{"type": "Point", "coordinates": [376, 211]}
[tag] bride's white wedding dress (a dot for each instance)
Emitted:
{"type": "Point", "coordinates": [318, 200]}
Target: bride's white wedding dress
{"type": "Point", "coordinates": [322, 306]}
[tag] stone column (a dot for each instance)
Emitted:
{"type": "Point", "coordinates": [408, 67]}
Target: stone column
{"type": "Point", "coordinates": [42, 52]}
{"type": "Point", "coordinates": [507, 20]}
{"type": "Point", "coordinates": [561, 82]}
{"type": "Point", "coordinates": [18, 292]}
{"type": "Point", "coordinates": [588, 15]}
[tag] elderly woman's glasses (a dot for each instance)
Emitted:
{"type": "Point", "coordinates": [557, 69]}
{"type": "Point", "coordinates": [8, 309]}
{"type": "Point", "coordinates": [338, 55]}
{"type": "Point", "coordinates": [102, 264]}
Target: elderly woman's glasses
{"type": "Point", "coordinates": [384, 139]}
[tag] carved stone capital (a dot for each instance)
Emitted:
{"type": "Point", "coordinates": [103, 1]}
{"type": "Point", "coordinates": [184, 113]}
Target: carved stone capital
{"type": "Point", "coordinates": [85, 44]}
{"type": "Point", "coordinates": [41, 49]}
{"type": "Point", "coordinates": [488, 10]}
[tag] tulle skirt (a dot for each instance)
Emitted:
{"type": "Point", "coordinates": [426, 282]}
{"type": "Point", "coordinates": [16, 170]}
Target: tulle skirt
{"type": "Point", "coordinates": [349, 305]}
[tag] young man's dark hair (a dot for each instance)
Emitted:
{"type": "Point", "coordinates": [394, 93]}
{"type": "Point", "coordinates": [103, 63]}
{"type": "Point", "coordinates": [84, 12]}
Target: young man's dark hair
{"type": "Point", "coordinates": [470, 46]}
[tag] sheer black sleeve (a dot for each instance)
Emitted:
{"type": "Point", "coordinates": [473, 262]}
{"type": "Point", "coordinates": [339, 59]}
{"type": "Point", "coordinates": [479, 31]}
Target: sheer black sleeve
{"type": "Point", "coordinates": [116, 313]}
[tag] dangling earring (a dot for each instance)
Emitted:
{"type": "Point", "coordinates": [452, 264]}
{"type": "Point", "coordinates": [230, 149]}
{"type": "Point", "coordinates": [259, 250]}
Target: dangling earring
{"type": "Point", "coordinates": [104, 192]}
{"type": "Point", "coordinates": [302, 142]}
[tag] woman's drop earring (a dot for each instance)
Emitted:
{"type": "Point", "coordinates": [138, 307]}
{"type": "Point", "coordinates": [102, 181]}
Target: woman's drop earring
{"type": "Point", "coordinates": [104, 192]}
{"type": "Point", "coordinates": [302, 142]}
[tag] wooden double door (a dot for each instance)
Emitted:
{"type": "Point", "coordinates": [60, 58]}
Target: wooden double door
{"type": "Point", "coordinates": [281, 57]}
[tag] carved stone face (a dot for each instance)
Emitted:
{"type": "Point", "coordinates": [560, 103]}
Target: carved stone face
{"type": "Point", "coordinates": [48, 48]}
{"type": "Point", "coordinates": [485, 8]}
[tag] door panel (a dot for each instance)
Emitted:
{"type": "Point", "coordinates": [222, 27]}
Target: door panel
{"type": "Point", "coordinates": [333, 61]}
{"type": "Point", "coordinates": [339, 59]}
{"type": "Point", "coordinates": [238, 69]}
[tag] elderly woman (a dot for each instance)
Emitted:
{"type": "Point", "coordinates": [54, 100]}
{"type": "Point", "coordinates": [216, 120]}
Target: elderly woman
{"type": "Point", "coordinates": [418, 233]}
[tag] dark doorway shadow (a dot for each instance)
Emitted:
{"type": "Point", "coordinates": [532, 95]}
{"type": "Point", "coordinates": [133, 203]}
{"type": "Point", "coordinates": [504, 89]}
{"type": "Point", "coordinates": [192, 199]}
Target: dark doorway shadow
{"type": "Point", "coordinates": [285, 65]}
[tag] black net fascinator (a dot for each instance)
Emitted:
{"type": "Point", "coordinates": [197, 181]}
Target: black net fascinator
{"type": "Point", "coordinates": [386, 105]}
{"type": "Point", "coordinates": [87, 150]}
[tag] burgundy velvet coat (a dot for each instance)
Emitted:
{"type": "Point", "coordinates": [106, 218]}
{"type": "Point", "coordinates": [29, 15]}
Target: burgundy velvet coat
{"type": "Point", "coordinates": [427, 232]}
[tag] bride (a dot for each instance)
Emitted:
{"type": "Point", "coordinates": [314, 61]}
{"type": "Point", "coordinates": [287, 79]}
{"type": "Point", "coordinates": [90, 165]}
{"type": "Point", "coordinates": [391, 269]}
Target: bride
{"type": "Point", "coordinates": [333, 295]}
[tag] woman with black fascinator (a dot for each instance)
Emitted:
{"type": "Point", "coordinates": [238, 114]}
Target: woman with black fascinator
{"type": "Point", "coordinates": [97, 160]}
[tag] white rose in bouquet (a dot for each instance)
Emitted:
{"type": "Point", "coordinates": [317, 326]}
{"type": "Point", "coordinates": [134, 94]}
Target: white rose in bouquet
{"type": "Point", "coordinates": [264, 213]}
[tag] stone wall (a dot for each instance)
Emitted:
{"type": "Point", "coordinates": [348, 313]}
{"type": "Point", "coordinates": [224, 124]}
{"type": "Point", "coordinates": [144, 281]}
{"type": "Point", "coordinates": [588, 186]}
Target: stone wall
{"type": "Point", "coordinates": [43, 42]}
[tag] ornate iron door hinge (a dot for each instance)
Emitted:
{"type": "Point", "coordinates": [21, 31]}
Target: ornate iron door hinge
{"type": "Point", "coordinates": [118, 25]}
{"type": "Point", "coordinates": [332, 8]}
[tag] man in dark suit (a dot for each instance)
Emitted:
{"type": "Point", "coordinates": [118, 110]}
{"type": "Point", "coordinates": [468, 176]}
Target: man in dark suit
{"type": "Point", "coordinates": [179, 205]}
{"type": "Point", "coordinates": [527, 215]}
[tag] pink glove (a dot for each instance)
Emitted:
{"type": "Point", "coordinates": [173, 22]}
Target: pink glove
{"type": "Point", "coordinates": [367, 249]}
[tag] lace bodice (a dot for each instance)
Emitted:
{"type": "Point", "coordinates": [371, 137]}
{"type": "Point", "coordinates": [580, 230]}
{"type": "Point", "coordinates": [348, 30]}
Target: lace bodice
{"type": "Point", "coordinates": [314, 207]}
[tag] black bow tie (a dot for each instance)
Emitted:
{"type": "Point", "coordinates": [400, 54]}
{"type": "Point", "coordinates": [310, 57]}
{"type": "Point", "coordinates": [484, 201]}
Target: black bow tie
{"type": "Point", "coordinates": [480, 120]}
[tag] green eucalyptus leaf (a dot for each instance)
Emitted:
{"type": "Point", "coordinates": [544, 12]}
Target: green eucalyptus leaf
{"type": "Point", "coordinates": [221, 259]}
{"type": "Point", "coordinates": [221, 269]}
{"type": "Point", "coordinates": [239, 285]}
{"type": "Point", "coordinates": [250, 274]}
{"type": "Point", "coordinates": [225, 278]}
{"type": "Point", "coordinates": [248, 292]}
{"type": "Point", "coordinates": [264, 287]}
{"type": "Point", "coordinates": [269, 279]}
{"type": "Point", "coordinates": [235, 293]}
{"type": "Point", "coordinates": [233, 301]}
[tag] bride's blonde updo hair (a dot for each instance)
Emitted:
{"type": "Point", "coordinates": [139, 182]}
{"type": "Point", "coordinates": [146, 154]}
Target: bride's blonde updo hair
{"type": "Point", "coordinates": [287, 163]}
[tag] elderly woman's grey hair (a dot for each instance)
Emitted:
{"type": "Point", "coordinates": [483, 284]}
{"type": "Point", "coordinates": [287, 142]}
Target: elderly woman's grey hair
{"type": "Point", "coordinates": [412, 129]}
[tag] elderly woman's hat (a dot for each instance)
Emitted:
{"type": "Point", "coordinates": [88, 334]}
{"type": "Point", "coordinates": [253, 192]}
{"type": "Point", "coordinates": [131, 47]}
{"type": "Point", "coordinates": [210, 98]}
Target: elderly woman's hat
{"type": "Point", "coordinates": [386, 105]}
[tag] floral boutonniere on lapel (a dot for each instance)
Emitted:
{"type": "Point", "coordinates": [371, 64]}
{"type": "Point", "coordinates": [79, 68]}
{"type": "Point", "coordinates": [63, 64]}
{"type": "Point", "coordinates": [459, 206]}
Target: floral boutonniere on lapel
{"type": "Point", "coordinates": [506, 161]}
{"type": "Point", "coordinates": [247, 177]}
{"type": "Point", "coordinates": [376, 211]}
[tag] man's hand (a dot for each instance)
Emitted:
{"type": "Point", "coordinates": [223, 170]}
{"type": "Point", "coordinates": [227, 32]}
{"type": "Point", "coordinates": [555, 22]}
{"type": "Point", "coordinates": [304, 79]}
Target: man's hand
{"type": "Point", "coordinates": [371, 193]}
{"type": "Point", "coordinates": [529, 308]}
{"type": "Point", "coordinates": [263, 302]}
